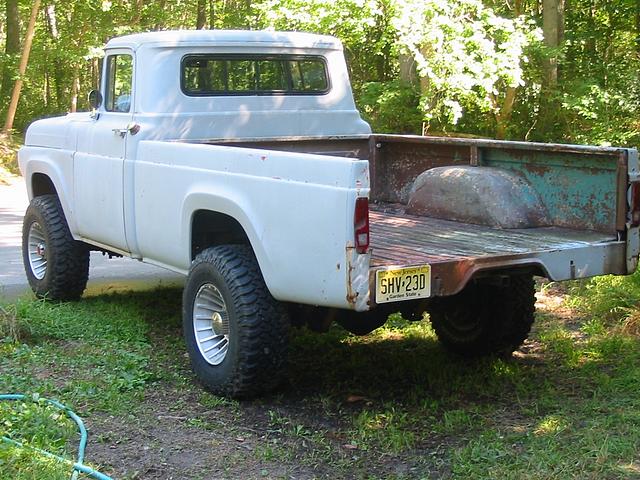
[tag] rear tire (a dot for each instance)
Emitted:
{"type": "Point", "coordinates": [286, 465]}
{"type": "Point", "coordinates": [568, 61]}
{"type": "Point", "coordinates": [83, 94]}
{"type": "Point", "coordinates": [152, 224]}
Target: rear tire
{"type": "Point", "coordinates": [57, 266]}
{"type": "Point", "coordinates": [236, 333]}
{"type": "Point", "coordinates": [486, 319]}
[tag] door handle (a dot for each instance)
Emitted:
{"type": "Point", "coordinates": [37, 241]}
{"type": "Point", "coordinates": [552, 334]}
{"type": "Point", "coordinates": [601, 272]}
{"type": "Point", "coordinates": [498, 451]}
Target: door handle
{"type": "Point", "coordinates": [132, 128]}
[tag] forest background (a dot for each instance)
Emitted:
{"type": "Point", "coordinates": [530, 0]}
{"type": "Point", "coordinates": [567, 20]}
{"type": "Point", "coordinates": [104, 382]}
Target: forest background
{"type": "Point", "coordinates": [540, 70]}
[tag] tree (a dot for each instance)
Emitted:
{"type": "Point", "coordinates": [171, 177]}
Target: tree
{"type": "Point", "coordinates": [24, 59]}
{"type": "Point", "coordinates": [201, 18]}
{"type": "Point", "coordinates": [552, 18]}
{"type": "Point", "coordinates": [466, 56]}
{"type": "Point", "coordinates": [12, 46]}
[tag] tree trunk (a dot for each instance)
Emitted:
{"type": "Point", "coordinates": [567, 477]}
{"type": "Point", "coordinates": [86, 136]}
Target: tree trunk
{"type": "Point", "coordinates": [12, 46]}
{"type": "Point", "coordinates": [137, 12]}
{"type": "Point", "coordinates": [160, 23]}
{"type": "Point", "coordinates": [58, 73]}
{"type": "Point", "coordinates": [550, 23]}
{"type": "Point", "coordinates": [13, 27]}
{"type": "Point", "coordinates": [408, 72]}
{"type": "Point", "coordinates": [638, 27]}
{"type": "Point", "coordinates": [24, 60]}
{"type": "Point", "coordinates": [518, 8]}
{"type": "Point", "coordinates": [75, 88]}
{"type": "Point", "coordinates": [503, 116]}
{"type": "Point", "coordinates": [201, 18]}
{"type": "Point", "coordinates": [95, 74]}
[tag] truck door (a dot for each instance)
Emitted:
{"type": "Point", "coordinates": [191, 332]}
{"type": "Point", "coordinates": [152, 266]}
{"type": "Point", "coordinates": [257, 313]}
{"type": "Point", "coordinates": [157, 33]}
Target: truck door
{"type": "Point", "coordinates": [99, 161]}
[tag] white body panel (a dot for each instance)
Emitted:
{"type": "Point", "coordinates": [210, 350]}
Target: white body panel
{"type": "Point", "coordinates": [283, 202]}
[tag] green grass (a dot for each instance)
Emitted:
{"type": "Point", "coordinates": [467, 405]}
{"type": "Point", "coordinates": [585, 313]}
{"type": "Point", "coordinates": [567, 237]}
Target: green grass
{"type": "Point", "coordinates": [606, 298]}
{"type": "Point", "coordinates": [39, 425]}
{"type": "Point", "coordinates": [393, 404]}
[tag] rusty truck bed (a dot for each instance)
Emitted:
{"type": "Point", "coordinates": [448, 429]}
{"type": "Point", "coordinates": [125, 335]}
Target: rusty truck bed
{"type": "Point", "coordinates": [456, 251]}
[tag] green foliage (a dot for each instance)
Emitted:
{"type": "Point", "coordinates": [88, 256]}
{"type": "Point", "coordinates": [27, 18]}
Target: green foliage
{"type": "Point", "coordinates": [601, 115]}
{"type": "Point", "coordinates": [390, 107]}
{"type": "Point", "coordinates": [40, 425]}
{"type": "Point", "coordinates": [607, 297]}
{"type": "Point", "coordinates": [466, 53]}
{"type": "Point", "coordinates": [22, 464]}
{"type": "Point", "coordinates": [363, 26]}
{"type": "Point", "coordinates": [8, 156]}
{"type": "Point", "coordinates": [100, 360]}
{"type": "Point", "coordinates": [356, 407]}
{"type": "Point", "coordinates": [586, 436]}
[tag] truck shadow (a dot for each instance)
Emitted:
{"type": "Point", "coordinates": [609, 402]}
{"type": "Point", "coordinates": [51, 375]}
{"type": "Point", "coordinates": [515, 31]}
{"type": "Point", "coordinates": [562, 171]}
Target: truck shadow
{"type": "Point", "coordinates": [401, 361]}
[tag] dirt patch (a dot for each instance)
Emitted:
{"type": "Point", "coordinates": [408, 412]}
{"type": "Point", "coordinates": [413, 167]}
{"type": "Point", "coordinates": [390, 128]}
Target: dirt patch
{"type": "Point", "coordinates": [172, 436]}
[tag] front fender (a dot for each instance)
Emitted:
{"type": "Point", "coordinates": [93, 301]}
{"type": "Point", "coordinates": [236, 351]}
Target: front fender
{"type": "Point", "coordinates": [57, 165]}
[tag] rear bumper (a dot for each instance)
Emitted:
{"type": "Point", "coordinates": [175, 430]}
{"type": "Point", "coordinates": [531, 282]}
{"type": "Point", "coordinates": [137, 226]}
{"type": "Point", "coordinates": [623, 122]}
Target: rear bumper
{"type": "Point", "coordinates": [450, 276]}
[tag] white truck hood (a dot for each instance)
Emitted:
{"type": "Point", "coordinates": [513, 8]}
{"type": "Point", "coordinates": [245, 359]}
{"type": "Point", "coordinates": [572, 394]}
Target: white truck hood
{"type": "Point", "coordinates": [54, 132]}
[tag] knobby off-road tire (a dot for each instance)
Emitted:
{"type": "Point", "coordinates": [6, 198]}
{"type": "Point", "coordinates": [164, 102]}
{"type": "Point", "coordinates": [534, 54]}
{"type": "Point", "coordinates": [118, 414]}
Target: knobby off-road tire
{"type": "Point", "coordinates": [57, 266]}
{"type": "Point", "coordinates": [225, 298]}
{"type": "Point", "coordinates": [486, 319]}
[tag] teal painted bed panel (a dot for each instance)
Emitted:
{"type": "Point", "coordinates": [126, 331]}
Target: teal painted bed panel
{"type": "Point", "coordinates": [578, 191]}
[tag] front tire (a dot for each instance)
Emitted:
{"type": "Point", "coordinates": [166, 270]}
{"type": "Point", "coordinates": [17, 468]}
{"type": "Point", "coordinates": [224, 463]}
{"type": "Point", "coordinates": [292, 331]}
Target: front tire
{"type": "Point", "coordinates": [486, 319]}
{"type": "Point", "coordinates": [236, 333]}
{"type": "Point", "coordinates": [57, 266]}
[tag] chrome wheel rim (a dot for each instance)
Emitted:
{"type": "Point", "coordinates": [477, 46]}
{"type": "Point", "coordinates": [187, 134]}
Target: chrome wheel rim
{"type": "Point", "coordinates": [211, 324]}
{"type": "Point", "coordinates": [37, 245]}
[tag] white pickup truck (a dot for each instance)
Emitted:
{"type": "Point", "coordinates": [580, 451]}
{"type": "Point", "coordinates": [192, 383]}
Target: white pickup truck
{"type": "Point", "coordinates": [239, 159]}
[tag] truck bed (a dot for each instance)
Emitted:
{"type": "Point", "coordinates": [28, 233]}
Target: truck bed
{"type": "Point", "coordinates": [573, 226]}
{"type": "Point", "coordinates": [456, 250]}
{"type": "Point", "coordinates": [398, 238]}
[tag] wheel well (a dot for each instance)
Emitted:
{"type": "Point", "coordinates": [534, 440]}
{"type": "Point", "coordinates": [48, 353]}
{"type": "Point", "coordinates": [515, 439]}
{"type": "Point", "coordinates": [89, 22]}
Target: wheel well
{"type": "Point", "coordinates": [42, 185]}
{"type": "Point", "coordinates": [209, 229]}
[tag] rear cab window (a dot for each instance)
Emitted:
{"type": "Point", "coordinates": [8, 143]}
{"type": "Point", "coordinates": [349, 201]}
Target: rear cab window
{"type": "Point", "coordinates": [216, 74]}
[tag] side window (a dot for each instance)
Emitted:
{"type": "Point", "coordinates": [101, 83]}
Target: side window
{"type": "Point", "coordinates": [119, 77]}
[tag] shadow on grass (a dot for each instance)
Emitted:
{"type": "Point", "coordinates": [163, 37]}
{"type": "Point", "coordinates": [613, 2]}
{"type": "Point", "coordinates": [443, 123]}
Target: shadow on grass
{"type": "Point", "coordinates": [400, 362]}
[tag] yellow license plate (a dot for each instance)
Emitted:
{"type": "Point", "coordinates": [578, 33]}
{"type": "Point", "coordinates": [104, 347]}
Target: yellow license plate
{"type": "Point", "coordinates": [395, 285]}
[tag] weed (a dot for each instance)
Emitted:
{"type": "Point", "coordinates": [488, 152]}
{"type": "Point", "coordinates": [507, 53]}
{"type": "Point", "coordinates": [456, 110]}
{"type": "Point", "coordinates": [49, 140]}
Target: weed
{"type": "Point", "coordinates": [213, 401]}
{"type": "Point", "coordinates": [390, 429]}
{"type": "Point", "coordinates": [631, 324]}
{"type": "Point", "coordinates": [12, 328]}
{"type": "Point", "coordinates": [608, 297]}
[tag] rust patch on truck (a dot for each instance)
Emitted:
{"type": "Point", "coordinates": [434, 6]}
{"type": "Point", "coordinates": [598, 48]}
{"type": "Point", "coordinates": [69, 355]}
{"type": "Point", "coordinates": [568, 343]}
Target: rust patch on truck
{"type": "Point", "coordinates": [352, 295]}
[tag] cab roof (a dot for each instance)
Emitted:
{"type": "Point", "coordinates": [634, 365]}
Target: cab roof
{"type": "Point", "coordinates": [174, 38]}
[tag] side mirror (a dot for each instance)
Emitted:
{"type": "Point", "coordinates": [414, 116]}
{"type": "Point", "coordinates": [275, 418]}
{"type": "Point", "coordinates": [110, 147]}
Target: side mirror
{"type": "Point", "coordinates": [95, 99]}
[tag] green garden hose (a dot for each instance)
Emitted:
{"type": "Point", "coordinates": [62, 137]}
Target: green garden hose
{"type": "Point", "coordinates": [78, 467]}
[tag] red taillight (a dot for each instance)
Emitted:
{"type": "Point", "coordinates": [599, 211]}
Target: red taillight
{"type": "Point", "coordinates": [361, 224]}
{"type": "Point", "coordinates": [635, 204]}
